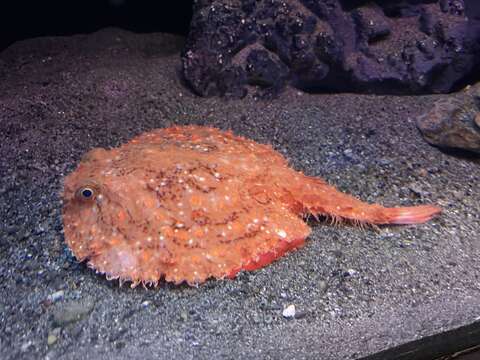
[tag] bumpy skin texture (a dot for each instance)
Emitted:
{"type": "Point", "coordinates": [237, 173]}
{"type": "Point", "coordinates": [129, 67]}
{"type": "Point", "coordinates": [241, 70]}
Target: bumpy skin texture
{"type": "Point", "coordinates": [387, 46]}
{"type": "Point", "coordinates": [190, 203]}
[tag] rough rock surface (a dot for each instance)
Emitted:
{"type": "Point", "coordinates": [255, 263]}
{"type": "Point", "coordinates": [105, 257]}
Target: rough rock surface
{"type": "Point", "coordinates": [454, 121]}
{"type": "Point", "coordinates": [406, 47]}
{"type": "Point", "coordinates": [356, 291]}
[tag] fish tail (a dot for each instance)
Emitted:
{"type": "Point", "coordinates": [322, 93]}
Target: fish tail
{"type": "Point", "coordinates": [411, 214]}
{"type": "Point", "coordinates": [323, 199]}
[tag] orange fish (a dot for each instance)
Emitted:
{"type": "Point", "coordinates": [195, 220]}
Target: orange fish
{"type": "Point", "coordinates": [192, 203]}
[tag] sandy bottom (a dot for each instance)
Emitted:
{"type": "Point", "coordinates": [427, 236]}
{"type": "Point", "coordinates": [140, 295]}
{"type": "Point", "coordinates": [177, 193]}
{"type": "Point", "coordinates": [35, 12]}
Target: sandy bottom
{"type": "Point", "coordinates": [356, 292]}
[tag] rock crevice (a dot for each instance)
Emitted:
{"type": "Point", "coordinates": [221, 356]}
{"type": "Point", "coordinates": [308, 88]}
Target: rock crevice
{"type": "Point", "coordinates": [387, 47]}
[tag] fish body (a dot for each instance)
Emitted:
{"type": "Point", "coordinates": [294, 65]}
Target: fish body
{"type": "Point", "coordinates": [185, 204]}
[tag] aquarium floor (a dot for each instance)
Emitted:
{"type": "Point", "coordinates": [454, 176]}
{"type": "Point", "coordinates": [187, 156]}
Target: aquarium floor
{"type": "Point", "coordinates": [357, 292]}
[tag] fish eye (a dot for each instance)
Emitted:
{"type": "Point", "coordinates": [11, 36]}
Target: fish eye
{"type": "Point", "coordinates": [86, 193]}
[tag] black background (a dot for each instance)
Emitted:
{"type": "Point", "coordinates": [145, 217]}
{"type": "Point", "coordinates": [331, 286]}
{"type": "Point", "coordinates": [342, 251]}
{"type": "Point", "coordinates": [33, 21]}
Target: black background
{"type": "Point", "coordinates": [21, 19]}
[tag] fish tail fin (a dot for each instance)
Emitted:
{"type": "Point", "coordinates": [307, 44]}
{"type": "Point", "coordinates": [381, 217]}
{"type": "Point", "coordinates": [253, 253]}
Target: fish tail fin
{"type": "Point", "coordinates": [323, 199]}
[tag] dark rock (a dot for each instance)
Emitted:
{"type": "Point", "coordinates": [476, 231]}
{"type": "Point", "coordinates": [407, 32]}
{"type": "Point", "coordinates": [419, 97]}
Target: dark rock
{"type": "Point", "coordinates": [371, 22]}
{"type": "Point", "coordinates": [265, 69]}
{"type": "Point", "coordinates": [406, 47]}
{"type": "Point", "coordinates": [454, 121]}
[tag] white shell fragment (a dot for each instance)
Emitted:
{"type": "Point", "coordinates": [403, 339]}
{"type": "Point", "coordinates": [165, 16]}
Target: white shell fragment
{"type": "Point", "coordinates": [289, 312]}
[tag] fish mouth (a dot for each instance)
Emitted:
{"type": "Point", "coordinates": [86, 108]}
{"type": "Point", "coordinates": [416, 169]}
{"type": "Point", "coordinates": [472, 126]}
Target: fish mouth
{"type": "Point", "coordinates": [116, 262]}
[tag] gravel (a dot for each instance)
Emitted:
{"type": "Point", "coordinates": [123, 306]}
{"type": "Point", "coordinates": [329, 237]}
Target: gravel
{"type": "Point", "coordinates": [359, 291]}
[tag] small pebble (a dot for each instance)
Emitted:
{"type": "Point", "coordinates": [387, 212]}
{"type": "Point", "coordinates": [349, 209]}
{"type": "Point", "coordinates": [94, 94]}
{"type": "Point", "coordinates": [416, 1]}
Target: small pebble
{"type": "Point", "coordinates": [289, 312]}
{"type": "Point", "coordinates": [384, 162]}
{"type": "Point", "coordinates": [73, 311]}
{"type": "Point", "coordinates": [26, 345]}
{"type": "Point", "coordinates": [422, 172]}
{"type": "Point", "coordinates": [322, 285]}
{"type": "Point", "coordinates": [184, 315]}
{"type": "Point", "coordinates": [458, 195]}
{"type": "Point", "coordinates": [350, 272]}
{"type": "Point", "coordinates": [52, 339]}
{"type": "Point", "coordinates": [56, 296]}
{"type": "Point", "coordinates": [416, 189]}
